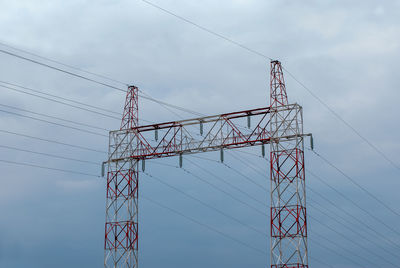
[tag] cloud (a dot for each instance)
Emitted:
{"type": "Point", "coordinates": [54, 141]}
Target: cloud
{"type": "Point", "coordinates": [346, 52]}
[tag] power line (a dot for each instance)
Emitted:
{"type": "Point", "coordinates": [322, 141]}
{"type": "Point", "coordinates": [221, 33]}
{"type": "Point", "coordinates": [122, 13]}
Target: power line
{"type": "Point", "coordinates": [52, 141]}
{"type": "Point", "coordinates": [356, 184]}
{"type": "Point", "coordinates": [143, 95]}
{"type": "Point", "coordinates": [354, 203]}
{"type": "Point", "coordinates": [228, 183]}
{"type": "Point", "coordinates": [208, 30]}
{"type": "Point", "coordinates": [330, 227]}
{"type": "Point", "coordinates": [236, 171]}
{"type": "Point", "coordinates": [221, 233]}
{"type": "Point", "coordinates": [64, 103]}
{"type": "Point", "coordinates": [375, 148]}
{"type": "Point", "coordinates": [50, 155]}
{"type": "Point", "coordinates": [49, 168]}
{"type": "Point", "coordinates": [386, 239]}
{"type": "Point", "coordinates": [60, 102]}
{"type": "Point", "coordinates": [346, 224]}
{"type": "Point", "coordinates": [355, 243]}
{"type": "Point", "coordinates": [320, 261]}
{"type": "Point", "coordinates": [54, 123]}
{"type": "Point", "coordinates": [362, 223]}
{"type": "Point", "coordinates": [53, 117]}
{"type": "Point", "coordinates": [204, 204]}
{"type": "Point", "coordinates": [216, 188]}
{"type": "Point", "coordinates": [380, 152]}
{"type": "Point", "coordinates": [242, 175]}
{"type": "Point", "coordinates": [60, 70]}
{"type": "Point", "coordinates": [349, 200]}
{"type": "Point", "coordinates": [334, 251]}
{"type": "Point", "coordinates": [203, 224]}
{"type": "Point", "coordinates": [59, 97]}
{"type": "Point", "coordinates": [63, 64]}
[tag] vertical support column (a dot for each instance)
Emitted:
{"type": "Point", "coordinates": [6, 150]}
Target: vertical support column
{"type": "Point", "coordinates": [121, 227]}
{"type": "Point", "coordinates": [288, 203]}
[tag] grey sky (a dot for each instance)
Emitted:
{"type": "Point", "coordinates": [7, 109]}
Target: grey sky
{"type": "Point", "coordinates": [347, 52]}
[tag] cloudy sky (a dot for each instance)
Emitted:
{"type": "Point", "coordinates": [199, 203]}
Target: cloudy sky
{"type": "Point", "coordinates": [345, 52]}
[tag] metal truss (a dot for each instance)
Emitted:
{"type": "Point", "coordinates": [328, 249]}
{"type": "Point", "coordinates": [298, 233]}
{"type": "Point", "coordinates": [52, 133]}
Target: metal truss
{"type": "Point", "coordinates": [280, 126]}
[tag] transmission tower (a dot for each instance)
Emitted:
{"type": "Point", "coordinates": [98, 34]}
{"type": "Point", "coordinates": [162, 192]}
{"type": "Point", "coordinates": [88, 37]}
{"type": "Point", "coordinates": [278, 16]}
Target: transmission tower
{"type": "Point", "coordinates": [280, 125]}
{"type": "Point", "coordinates": [121, 229]}
{"type": "Point", "coordinates": [288, 204]}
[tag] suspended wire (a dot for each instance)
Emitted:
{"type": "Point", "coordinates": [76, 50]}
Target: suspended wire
{"type": "Point", "coordinates": [98, 82]}
{"type": "Point", "coordinates": [63, 64]}
{"type": "Point", "coordinates": [53, 117]}
{"type": "Point", "coordinates": [349, 200]}
{"type": "Point", "coordinates": [60, 102]}
{"type": "Point", "coordinates": [340, 193]}
{"type": "Point", "coordinates": [320, 261]}
{"type": "Point", "coordinates": [67, 104]}
{"type": "Point", "coordinates": [50, 155]}
{"type": "Point", "coordinates": [49, 168]}
{"type": "Point", "coordinates": [208, 30]}
{"type": "Point", "coordinates": [308, 203]}
{"type": "Point", "coordinates": [374, 147]}
{"type": "Point", "coordinates": [203, 224]}
{"type": "Point", "coordinates": [353, 202]}
{"type": "Point", "coordinates": [239, 174]}
{"type": "Point", "coordinates": [52, 141]}
{"type": "Point", "coordinates": [205, 204]}
{"type": "Point", "coordinates": [213, 229]}
{"type": "Point", "coordinates": [59, 97]}
{"type": "Point", "coordinates": [346, 224]}
{"type": "Point", "coordinates": [227, 182]}
{"type": "Point", "coordinates": [380, 152]}
{"type": "Point", "coordinates": [236, 171]}
{"type": "Point", "coordinates": [8, 147]}
{"type": "Point", "coordinates": [54, 123]}
{"type": "Point", "coordinates": [216, 188]}
{"type": "Point", "coordinates": [334, 251]}
{"type": "Point", "coordinates": [145, 95]}
{"type": "Point", "coordinates": [388, 240]}
{"type": "Point", "coordinates": [356, 183]}
{"type": "Point", "coordinates": [355, 243]}
{"type": "Point", "coordinates": [165, 105]}
{"type": "Point", "coordinates": [60, 70]}
{"type": "Point", "coordinates": [334, 219]}
{"type": "Point", "coordinates": [78, 160]}
{"type": "Point", "coordinates": [170, 186]}
{"type": "Point", "coordinates": [362, 223]}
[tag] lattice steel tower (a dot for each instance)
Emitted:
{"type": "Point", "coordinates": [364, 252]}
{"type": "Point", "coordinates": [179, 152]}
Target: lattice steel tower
{"type": "Point", "coordinates": [288, 203]}
{"type": "Point", "coordinates": [280, 125]}
{"type": "Point", "coordinates": [121, 229]}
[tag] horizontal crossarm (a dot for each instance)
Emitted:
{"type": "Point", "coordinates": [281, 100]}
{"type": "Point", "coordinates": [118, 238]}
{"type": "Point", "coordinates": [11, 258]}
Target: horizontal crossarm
{"type": "Point", "coordinates": [202, 134]}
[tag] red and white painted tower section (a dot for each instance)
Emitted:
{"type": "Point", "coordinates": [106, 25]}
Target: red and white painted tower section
{"type": "Point", "coordinates": [121, 228]}
{"type": "Point", "coordinates": [288, 198]}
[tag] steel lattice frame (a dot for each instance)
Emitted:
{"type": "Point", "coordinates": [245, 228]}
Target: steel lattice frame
{"type": "Point", "coordinates": [280, 125]}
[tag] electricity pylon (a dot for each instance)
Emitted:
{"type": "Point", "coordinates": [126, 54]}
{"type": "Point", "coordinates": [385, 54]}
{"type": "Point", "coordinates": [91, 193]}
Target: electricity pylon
{"type": "Point", "coordinates": [280, 125]}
